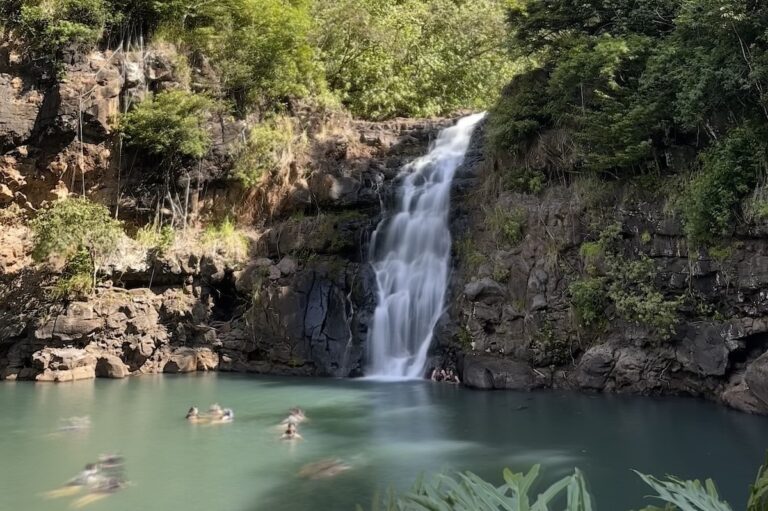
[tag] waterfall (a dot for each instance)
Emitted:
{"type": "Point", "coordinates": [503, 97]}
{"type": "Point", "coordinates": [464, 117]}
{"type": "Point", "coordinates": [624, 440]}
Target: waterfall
{"type": "Point", "coordinates": [411, 253]}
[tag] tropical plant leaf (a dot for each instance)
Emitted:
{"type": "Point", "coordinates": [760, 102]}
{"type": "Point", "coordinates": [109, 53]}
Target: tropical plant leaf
{"type": "Point", "coordinates": [687, 495]}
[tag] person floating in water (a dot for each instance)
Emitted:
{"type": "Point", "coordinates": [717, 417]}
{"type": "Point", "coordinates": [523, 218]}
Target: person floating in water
{"type": "Point", "coordinates": [98, 479]}
{"type": "Point", "coordinates": [295, 416]}
{"type": "Point", "coordinates": [193, 416]}
{"type": "Point", "coordinates": [291, 433]}
{"type": "Point", "coordinates": [324, 469]}
{"type": "Point", "coordinates": [215, 411]}
{"type": "Point", "coordinates": [227, 415]}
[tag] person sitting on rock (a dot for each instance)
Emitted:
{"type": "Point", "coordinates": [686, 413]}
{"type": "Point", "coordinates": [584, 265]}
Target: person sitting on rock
{"type": "Point", "coordinates": [291, 433]}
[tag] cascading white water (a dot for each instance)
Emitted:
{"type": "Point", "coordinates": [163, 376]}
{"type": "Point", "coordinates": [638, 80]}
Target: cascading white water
{"type": "Point", "coordinates": [411, 256]}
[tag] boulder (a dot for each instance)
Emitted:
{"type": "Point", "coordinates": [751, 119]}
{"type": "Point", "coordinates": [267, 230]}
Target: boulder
{"type": "Point", "coordinates": [484, 290]}
{"type": "Point", "coordinates": [183, 360]}
{"type": "Point", "coordinates": [110, 366]}
{"type": "Point", "coordinates": [207, 360]}
{"type": "Point", "coordinates": [287, 266]}
{"type": "Point", "coordinates": [78, 321]}
{"type": "Point", "coordinates": [742, 398]}
{"type": "Point", "coordinates": [704, 350]}
{"type": "Point", "coordinates": [595, 366]}
{"type": "Point", "coordinates": [486, 372]}
{"type": "Point", "coordinates": [756, 378]}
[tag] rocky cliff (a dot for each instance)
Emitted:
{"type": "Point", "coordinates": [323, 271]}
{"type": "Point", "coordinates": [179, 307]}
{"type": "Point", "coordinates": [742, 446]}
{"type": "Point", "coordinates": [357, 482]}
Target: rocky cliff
{"type": "Point", "coordinates": [297, 301]}
{"type": "Point", "coordinates": [514, 321]}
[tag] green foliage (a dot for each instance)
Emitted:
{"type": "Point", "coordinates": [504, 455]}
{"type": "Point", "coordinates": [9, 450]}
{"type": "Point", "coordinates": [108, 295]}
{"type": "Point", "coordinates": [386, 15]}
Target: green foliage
{"type": "Point", "coordinates": [465, 492]}
{"type": "Point", "coordinates": [76, 279]}
{"type": "Point", "coordinates": [629, 285]}
{"type": "Point", "coordinates": [756, 206]}
{"type": "Point", "coordinates": [412, 57]}
{"type": "Point", "coordinates": [523, 181]}
{"type": "Point", "coordinates": [260, 47]}
{"type": "Point", "coordinates": [468, 253]}
{"type": "Point", "coordinates": [729, 172]}
{"type": "Point", "coordinates": [464, 337]}
{"type": "Point", "coordinates": [686, 495]}
{"type": "Point", "coordinates": [469, 492]}
{"type": "Point", "coordinates": [156, 240]}
{"type": "Point", "coordinates": [227, 240]}
{"type": "Point", "coordinates": [758, 492]}
{"type": "Point", "coordinates": [69, 226]}
{"type": "Point", "coordinates": [269, 144]}
{"type": "Point", "coordinates": [589, 300]}
{"type": "Point", "coordinates": [169, 125]}
{"type": "Point", "coordinates": [506, 225]}
{"type": "Point", "coordinates": [81, 233]}
{"type": "Point", "coordinates": [50, 26]}
{"type": "Point", "coordinates": [636, 298]}
{"type": "Point", "coordinates": [631, 82]}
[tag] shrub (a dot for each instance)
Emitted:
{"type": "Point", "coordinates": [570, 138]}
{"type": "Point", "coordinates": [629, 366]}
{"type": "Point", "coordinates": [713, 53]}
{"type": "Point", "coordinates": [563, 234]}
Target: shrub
{"type": "Point", "coordinates": [507, 226]}
{"type": "Point", "coordinates": [267, 149]}
{"type": "Point", "coordinates": [76, 279]}
{"type": "Point", "coordinates": [226, 240]}
{"type": "Point", "coordinates": [50, 26]}
{"type": "Point", "coordinates": [169, 125]}
{"type": "Point", "coordinates": [728, 172]}
{"type": "Point", "coordinates": [73, 228]}
{"type": "Point", "coordinates": [636, 298]}
{"type": "Point", "coordinates": [156, 240]}
{"type": "Point", "coordinates": [589, 301]}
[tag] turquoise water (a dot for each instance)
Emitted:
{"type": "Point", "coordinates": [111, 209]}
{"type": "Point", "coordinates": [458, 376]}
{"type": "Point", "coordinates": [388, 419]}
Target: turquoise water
{"type": "Point", "coordinates": [388, 433]}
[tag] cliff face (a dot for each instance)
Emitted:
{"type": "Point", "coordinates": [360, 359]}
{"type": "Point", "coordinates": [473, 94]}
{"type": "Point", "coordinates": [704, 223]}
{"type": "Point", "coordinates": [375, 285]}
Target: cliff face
{"type": "Point", "coordinates": [297, 301]}
{"type": "Point", "coordinates": [513, 322]}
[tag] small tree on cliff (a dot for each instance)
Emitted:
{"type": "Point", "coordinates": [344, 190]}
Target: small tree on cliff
{"type": "Point", "coordinates": [81, 232]}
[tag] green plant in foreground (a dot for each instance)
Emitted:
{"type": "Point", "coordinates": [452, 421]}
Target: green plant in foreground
{"type": "Point", "coordinates": [468, 492]}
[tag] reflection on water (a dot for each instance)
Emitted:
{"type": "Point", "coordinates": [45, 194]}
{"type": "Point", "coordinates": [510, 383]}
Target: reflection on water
{"type": "Point", "coordinates": [358, 436]}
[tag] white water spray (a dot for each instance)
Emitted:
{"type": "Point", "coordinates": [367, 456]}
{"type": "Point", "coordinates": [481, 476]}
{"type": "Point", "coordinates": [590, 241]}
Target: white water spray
{"type": "Point", "coordinates": [411, 257]}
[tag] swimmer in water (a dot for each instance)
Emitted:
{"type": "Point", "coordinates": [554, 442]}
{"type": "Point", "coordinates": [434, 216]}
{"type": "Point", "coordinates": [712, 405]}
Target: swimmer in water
{"type": "Point", "coordinates": [227, 415]}
{"type": "Point", "coordinates": [324, 469]}
{"type": "Point", "coordinates": [291, 433]}
{"type": "Point", "coordinates": [193, 415]}
{"type": "Point", "coordinates": [215, 411]}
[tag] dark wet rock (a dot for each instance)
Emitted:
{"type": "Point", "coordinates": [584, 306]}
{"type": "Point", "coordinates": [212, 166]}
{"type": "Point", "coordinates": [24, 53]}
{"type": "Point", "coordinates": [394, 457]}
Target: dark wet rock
{"type": "Point", "coordinates": [486, 372]}
{"type": "Point", "coordinates": [595, 366]}
{"type": "Point", "coordinates": [484, 290]}
{"type": "Point", "coordinates": [741, 397]}
{"type": "Point", "coordinates": [756, 378]}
